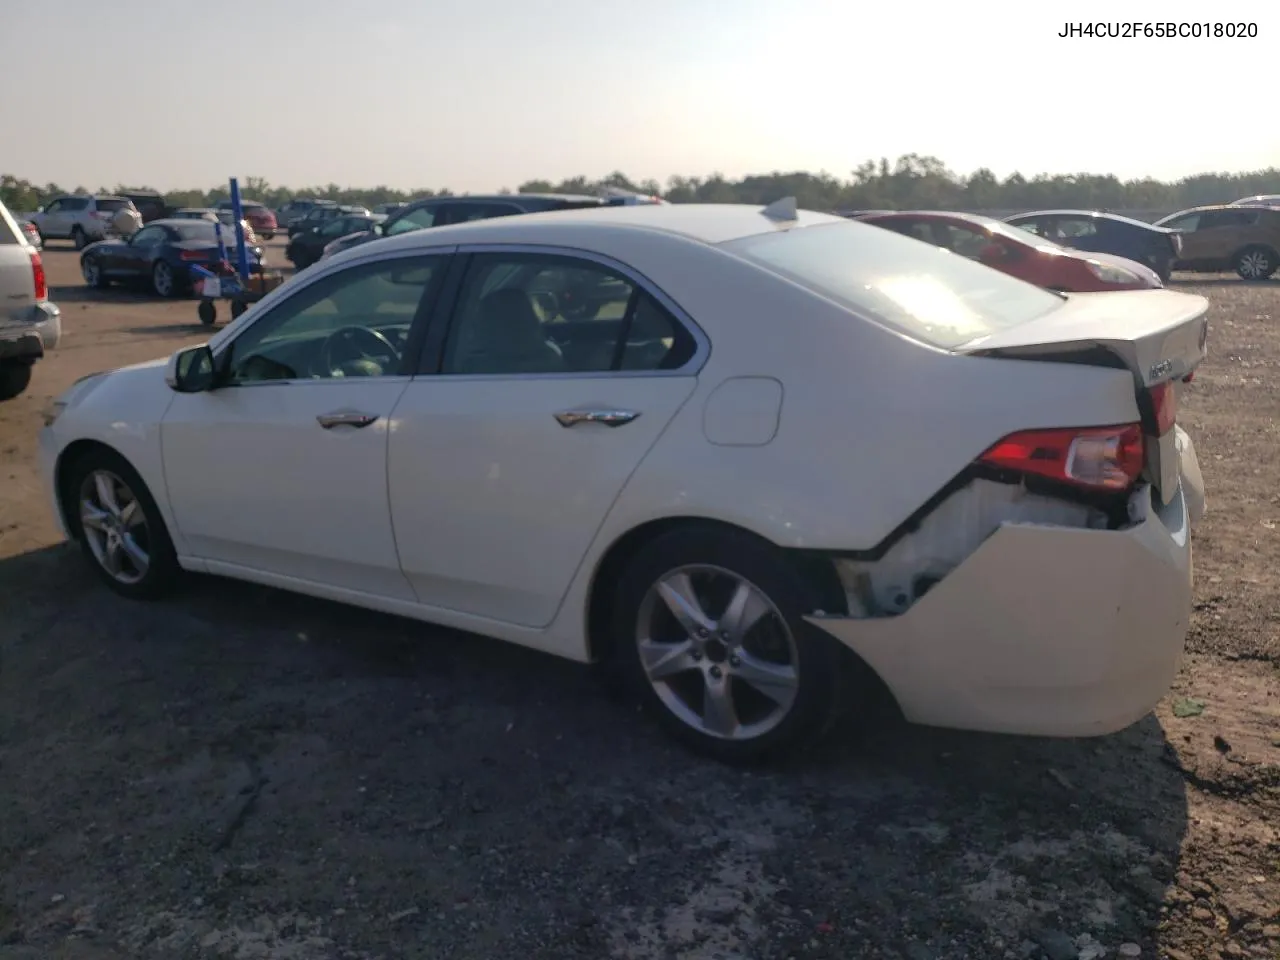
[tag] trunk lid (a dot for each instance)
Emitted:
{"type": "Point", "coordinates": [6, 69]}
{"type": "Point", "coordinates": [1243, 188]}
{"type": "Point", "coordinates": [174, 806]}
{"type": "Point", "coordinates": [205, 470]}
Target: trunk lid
{"type": "Point", "coordinates": [1158, 334]}
{"type": "Point", "coordinates": [1161, 336]}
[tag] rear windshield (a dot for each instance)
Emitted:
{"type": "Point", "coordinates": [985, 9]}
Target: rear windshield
{"type": "Point", "coordinates": [926, 292]}
{"type": "Point", "coordinates": [112, 206]}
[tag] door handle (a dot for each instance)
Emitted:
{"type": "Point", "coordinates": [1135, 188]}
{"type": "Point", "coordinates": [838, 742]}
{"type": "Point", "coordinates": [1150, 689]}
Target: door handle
{"type": "Point", "coordinates": [345, 418]}
{"type": "Point", "coordinates": [609, 417]}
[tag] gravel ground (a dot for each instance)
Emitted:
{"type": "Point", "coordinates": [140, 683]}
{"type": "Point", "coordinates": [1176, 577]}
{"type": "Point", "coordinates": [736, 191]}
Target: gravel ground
{"type": "Point", "coordinates": [242, 773]}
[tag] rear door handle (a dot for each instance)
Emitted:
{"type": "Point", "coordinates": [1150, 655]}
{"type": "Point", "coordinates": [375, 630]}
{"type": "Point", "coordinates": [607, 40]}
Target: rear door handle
{"type": "Point", "coordinates": [345, 418]}
{"type": "Point", "coordinates": [609, 417]}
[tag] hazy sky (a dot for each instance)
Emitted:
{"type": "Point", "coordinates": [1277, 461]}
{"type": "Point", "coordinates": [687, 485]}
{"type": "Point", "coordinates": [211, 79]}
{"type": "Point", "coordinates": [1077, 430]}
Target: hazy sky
{"type": "Point", "coordinates": [478, 94]}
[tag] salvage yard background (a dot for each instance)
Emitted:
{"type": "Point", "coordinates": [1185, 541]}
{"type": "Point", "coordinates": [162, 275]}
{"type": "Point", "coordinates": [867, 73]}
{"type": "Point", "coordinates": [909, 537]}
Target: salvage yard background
{"type": "Point", "coordinates": [244, 773]}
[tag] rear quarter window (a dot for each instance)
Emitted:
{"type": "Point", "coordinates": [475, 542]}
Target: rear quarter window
{"type": "Point", "coordinates": [930, 294]}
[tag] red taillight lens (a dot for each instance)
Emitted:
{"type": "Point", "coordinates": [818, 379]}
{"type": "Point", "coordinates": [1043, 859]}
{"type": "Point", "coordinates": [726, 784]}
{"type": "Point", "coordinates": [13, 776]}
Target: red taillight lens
{"type": "Point", "coordinates": [38, 277]}
{"type": "Point", "coordinates": [1164, 401]}
{"type": "Point", "coordinates": [1096, 458]}
{"type": "Point", "coordinates": [194, 255]}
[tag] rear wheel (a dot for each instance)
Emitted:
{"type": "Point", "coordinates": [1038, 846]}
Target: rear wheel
{"type": "Point", "coordinates": [15, 377]}
{"type": "Point", "coordinates": [163, 281]}
{"type": "Point", "coordinates": [120, 527]}
{"type": "Point", "coordinates": [1256, 263]}
{"type": "Point", "coordinates": [709, 634]}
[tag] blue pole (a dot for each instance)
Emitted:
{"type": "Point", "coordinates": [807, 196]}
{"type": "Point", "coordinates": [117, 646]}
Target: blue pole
{"type": "Point", "coordinates": [242, 252]}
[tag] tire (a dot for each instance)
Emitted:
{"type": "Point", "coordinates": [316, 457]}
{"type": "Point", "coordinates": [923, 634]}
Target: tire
{"type": "Point", "coordinates": [79, 238]}
{"type": "Point", "coordinates": [1255, 263]}
{"type": "Point", "coordinates": [207, 312]}
{"type": "Point", "coordinates": [115, 529]}
{"type": "Point", "coordinates": [238, 307]}
{"type": "Point", "coordinates": [269, 235]}
{"type": "Point", "coordinates": [91, 270]}
{"type": "Point", "coordinates": [15, 377]}
{"type": "Point", "coordinates": [163, 280]}
{"type": "Point", "coordinates": [807, 668]}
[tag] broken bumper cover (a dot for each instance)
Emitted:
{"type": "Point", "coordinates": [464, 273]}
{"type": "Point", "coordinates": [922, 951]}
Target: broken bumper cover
{"type": "Point", "coordinates": [1043, 630]}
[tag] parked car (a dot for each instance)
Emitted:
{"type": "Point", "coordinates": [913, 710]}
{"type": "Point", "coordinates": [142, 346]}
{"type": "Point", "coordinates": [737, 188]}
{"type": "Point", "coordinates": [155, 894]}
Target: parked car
{"type": "Point", "coordinates": [196, 213]}
{"type": "Point", "coordinates": [1014, 557]}
{"type": "Point", "coordinates": [386, 209]}
{"type": "Point", "coordinates": [1018, 253]}
{"type": "Point", "coordinates": [1262, 200]}
{"type": "Point", "coordinates": [159, 255]}
{"type": "Point", "coordinates": [80, 219]}
{"type": "Point", "coordinates": [440, 211]}
{"type": "Point", "coordinates": [151, 204]}
{"type": "Point", "coordinates": [323, 214]}
{"type": "Point", "coordinates": [295, 210]}
{"type": "Point", "coordinates": [1245, 239]}
{"type": "Point", "coordinates": [307, 246]}
{"type": "Point", "coordinates": [31, 233]}
{"type": "Point", "coordinates": [258, 216]}
{"type": "Point", "coordinates": [1097, 232]}
{"type": "Point", "coordinates": [30, 325]}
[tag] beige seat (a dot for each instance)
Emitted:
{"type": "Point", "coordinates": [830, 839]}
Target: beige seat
{"type": "Point", "coordinates": [504, 335]}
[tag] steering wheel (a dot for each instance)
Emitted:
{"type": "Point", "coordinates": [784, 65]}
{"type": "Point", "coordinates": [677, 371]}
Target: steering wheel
{"type": "Point", "coordinates": [345, 345]}
{"type": "Point", "coordinates": [546, 303]}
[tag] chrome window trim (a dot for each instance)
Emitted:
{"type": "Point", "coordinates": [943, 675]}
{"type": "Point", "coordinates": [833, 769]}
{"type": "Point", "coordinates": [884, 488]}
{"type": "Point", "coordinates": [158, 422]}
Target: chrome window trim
{"type": "Point", "coordinates": [445, 251]}
{"type": "Point", "coordinates": [702, 344]}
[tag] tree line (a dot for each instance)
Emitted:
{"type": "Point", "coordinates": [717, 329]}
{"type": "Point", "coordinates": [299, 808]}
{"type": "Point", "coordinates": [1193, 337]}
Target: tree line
{"type": "Point", "coordinates": [912, 181]}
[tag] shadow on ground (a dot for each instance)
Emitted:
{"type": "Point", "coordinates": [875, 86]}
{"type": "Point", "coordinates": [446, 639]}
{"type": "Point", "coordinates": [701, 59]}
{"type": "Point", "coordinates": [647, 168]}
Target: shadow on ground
{"type": "Point", "coordinates": [241, 763]}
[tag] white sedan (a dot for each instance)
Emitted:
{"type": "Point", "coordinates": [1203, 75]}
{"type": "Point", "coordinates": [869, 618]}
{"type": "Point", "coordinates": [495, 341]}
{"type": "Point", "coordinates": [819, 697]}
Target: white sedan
{"type": "Point", "coordinates": [755, 460]}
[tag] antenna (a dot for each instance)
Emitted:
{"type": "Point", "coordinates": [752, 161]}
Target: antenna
{"type": "Point", "coordinates": [781, 210]}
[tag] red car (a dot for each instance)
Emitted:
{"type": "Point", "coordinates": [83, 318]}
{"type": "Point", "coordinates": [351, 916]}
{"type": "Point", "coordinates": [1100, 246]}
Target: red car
{"type": "Point", "coordinates": [259, 216]}
{"type": "Point", "coordinates": [1017, 252]}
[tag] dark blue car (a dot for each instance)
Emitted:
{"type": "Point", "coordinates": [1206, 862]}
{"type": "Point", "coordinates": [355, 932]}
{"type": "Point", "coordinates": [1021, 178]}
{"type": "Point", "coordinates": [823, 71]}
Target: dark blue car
{"type": "Point", "coordinates": [160, 256]}
{"type": "Point", "coordinates": [1097, 232]}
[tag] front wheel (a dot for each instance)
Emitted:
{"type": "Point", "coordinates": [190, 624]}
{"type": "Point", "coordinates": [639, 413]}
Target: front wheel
{"type": "Point", "coordinates": [92, 272]}
{"type": "Point", "coordinates": [163, 281]}
{"type": "Point", "coordinates": [120, 527]}
{"type": "Point", "coordinates": [15, 377]}
{"type": "Point", "coordinates": [79, 238]}
{"type": "Point", "coordinates": [709, 633]}
{"type": "Point", "coordinates": [1256, 263]}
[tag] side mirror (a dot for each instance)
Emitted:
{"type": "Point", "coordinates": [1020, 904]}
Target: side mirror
{"type": "Point", "coordinates": [191, 370]}
{"type": "Point", "coordinates": [40, 209]}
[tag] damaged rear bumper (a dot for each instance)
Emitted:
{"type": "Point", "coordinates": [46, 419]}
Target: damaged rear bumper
{"type": "Point", "coordinates": [1043, 630]}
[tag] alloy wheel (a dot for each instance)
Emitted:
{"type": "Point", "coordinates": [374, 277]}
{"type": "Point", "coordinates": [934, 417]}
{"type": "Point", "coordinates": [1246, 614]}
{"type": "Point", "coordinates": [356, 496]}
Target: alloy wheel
{"type": "Point", "coordinates": [1254, 265]}
{"type": "Point", "coordinates": [91, 272]}
{"type": "Point", "coordinates": [717, 652]}
{"type": "Point", "coordinates": [162, 277]}
{"type": "Point", "coordinates": [115, 527]}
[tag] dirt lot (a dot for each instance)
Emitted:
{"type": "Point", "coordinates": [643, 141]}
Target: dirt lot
{"type": "Point", "coordinates": [247, 774]}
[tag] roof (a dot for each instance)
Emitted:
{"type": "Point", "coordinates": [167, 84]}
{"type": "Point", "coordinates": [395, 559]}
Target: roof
{"type": "Point", "coordinates": [1086, 213]}
{"type": "Point", "coordinates": [975, 218]}
{"type": "Point", "coordinates": [711, 223]}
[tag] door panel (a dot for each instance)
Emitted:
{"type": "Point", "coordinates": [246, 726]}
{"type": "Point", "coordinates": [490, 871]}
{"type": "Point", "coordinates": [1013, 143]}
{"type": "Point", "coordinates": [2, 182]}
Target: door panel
{"type": "Point", "coordinates": [494, 502]}
{"type": "Point", "coordinates": [255, 480]}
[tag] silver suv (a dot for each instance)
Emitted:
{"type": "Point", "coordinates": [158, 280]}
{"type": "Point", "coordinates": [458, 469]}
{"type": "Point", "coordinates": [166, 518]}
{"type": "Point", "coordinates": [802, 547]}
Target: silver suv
{"type": "Point", "coordinates": [80, 219]}
{"type": "Point", "coordinates": [29, 323]}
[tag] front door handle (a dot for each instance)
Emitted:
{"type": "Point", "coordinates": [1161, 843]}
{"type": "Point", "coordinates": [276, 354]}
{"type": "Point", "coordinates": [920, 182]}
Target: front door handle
{"type": "Point", "coordinates": [345, 418]}
{"type": "Point", "coordinates": [609, 417]}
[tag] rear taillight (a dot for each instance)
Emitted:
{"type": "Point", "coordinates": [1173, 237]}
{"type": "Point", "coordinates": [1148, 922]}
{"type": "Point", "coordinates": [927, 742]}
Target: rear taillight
{"type": "Point", "coordinates": [195, 254]}
{"type": "Point", "coordinates": [1094, 458]}
{"type": "Point", "coordinates": [37, 275]}
{"type": "Point", "coordinates": [1164, 406]}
